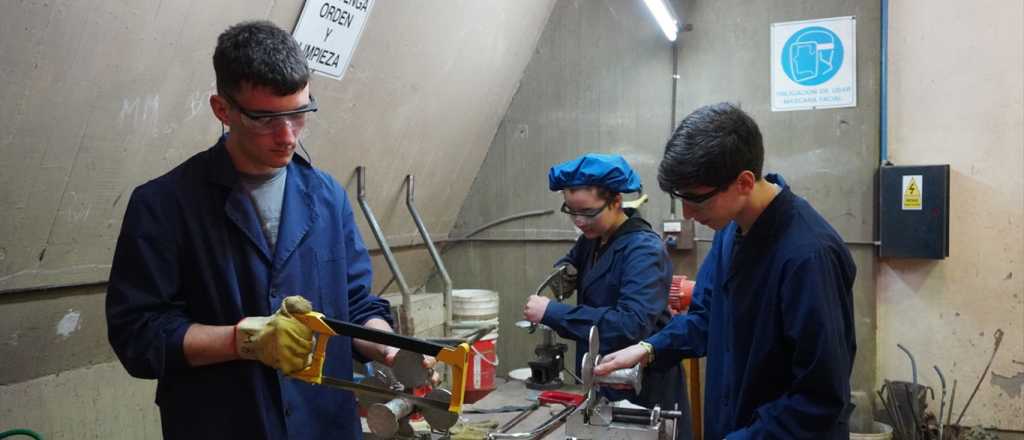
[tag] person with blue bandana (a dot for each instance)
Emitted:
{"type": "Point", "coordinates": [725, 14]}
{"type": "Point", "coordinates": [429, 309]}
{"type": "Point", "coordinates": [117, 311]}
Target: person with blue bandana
{"type": "Point", "coordinates": [622, 273]}
{"type": "Point", "coordinates": [773, 305]}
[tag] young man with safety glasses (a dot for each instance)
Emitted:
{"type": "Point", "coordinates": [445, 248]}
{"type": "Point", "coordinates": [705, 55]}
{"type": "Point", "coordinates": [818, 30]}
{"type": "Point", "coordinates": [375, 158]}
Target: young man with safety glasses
{"type": "Point", "coordinates": [773, 304]}
{"type": "Point", "coordinates": [622, 273]}
{"type": "Point", "coordinates": [208, 252]}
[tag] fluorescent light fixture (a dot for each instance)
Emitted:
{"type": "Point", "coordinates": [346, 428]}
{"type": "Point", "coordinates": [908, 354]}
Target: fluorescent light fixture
{"type": "Point", "coordinates": [665, 17]}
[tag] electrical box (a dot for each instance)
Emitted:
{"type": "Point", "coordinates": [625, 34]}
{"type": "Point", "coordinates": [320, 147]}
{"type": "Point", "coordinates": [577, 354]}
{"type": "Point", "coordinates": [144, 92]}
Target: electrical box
{"type": "Point", "coordinates": [913, 213]}
{"type": "Point", "coordinates": [678, 233]}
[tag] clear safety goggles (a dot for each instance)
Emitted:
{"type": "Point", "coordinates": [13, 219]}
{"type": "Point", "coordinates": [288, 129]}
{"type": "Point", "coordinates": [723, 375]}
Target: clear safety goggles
{"type": "Point", "coordinates": [268, 122]}
{"type": "Point", "coordinates": [584, 216]}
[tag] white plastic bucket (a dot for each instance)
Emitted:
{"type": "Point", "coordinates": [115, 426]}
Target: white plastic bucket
{"type": "Point", "coordinates": [474, 305]}
{"type": "Point", "coordinates": [881, 431]}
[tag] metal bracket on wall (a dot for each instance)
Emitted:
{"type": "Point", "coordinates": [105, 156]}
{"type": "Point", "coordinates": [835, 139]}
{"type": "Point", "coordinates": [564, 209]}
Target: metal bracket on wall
{"type": "Point", "coordinates": [410, 184]}
{"type": "Point", "coordinates": [389, 257]}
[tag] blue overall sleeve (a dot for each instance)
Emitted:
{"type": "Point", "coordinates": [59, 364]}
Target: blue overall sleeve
{"type": "Point", "coordinates": [686, 335]}
{"type": "Point", "coordinates": [146, 319]}
{"type": "Point", "coordinates": [572, 257]}
{"type": "Point", "coordinates": [642, 297]}
{"type": "Point", "coordinates": [813, 303]}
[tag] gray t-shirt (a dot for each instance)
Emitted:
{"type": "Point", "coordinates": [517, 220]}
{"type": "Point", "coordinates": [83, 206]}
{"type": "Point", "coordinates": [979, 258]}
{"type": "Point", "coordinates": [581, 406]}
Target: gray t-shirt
{"type": "Point", "coordinates": [267, 194]}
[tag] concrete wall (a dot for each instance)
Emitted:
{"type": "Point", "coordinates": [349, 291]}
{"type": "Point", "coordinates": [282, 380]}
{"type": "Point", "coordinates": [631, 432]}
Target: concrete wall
{"type": "Point", "coordinates": [600, 81]}
{"type": "Point", "coordinates": [957, 97]}
{"type": "Point", "coordinates": [102, 96]}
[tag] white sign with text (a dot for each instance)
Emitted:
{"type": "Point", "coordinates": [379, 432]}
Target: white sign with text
{"type": "Point", "coordinates": [328, 33]}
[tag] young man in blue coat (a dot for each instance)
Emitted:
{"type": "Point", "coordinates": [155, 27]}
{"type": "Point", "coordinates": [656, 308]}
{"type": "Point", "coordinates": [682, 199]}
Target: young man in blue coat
{"type": "Point", "coordinates": [773, 305]}
{"type": "Point", "coordinates": [623, 276]}
{"type": "Point", "coordinates": [208, 252]}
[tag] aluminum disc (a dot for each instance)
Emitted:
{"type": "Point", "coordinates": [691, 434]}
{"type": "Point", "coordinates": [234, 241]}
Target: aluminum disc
{"type": "Point", "coordinates": [409, 371]}
{"type": "Point", "coordinates": [587, 372]}
{"type": "Point", "coordinates": [439, 419]}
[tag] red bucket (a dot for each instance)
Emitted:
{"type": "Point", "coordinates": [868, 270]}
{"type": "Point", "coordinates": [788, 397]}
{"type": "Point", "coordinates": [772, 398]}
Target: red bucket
{"type": "Point", "coordinates": [480, 368]}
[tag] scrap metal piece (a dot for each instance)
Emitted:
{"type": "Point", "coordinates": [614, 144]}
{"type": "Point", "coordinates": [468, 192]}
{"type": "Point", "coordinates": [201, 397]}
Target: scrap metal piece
{"type": "Point", "coordinates": [439, 420]}
{"type": "Point", "coordinates": [384, 418]}
{"type": "Point", "coordinates": [409, 370]}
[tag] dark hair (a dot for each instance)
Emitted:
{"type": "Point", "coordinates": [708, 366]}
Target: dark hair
{"type": "Point", "coordinates": [261, 54]}
{"type": "Point", "coordinates": [601, 192]}
{"type": "Point", "coordinates": [711, 146]}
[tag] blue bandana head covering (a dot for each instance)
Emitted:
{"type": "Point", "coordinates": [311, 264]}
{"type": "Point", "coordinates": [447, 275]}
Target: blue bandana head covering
{"type": "Point", "coordinates": [606, 170]}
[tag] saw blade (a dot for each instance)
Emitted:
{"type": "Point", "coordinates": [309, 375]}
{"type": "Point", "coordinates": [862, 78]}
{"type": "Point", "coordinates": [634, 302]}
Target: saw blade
{"type": "Point", "coordinates": [383, 392]}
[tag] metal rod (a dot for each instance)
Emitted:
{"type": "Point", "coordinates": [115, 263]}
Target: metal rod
{"type": "Point", "coordinates": [410, 184]}
{"type": "Point", "coordinates": [501, 220]}
{"type": "Point", "coordinates": [627, 418]}
{"type": "Point", "coordinates": [544, 428]}
{"type": "Point", "coordinates": [952, 399]}
{"type": "Point", "coordinates": [942, 401]}
{"type": "Point", "coordinates": [383, 242]}
{"type": "Point", "coordinates": [883, 98]}
{"type": "Point", "coordinates": [999, 338]}
{"type": "Point", "coordinates": [387, 394]}
{"type": "Point", "coordinates": [913, 363]}
{"type": "Point", "coordinates": [518, 418]}
{"type": "Point", "coordinates": [890, 413]}
{"type": "Point", "coordinates": [908, 394]}
{"type": "Point", "coordinates": [672, 115]}
{"type": "Point", "coordinates": [849, 242]}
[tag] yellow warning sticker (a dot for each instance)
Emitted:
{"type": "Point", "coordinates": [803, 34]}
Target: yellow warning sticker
{"type": "Point", "coordinates": [913, 191]}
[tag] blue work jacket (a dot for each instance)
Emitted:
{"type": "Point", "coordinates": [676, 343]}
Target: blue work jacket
{"type": "Point", "coordinates": [773, 312]}
{"type": "Point", "coordinates": [623, 290]}
{"type": "Point", "coordinates": [191, 251]}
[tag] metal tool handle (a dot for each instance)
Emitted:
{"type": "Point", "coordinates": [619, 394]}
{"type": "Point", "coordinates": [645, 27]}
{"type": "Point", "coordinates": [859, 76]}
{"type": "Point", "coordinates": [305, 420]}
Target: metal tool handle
{"type": "Point", "coordinates": [456, 357]}
{"type": "Point", "coordinates": [555, 275]}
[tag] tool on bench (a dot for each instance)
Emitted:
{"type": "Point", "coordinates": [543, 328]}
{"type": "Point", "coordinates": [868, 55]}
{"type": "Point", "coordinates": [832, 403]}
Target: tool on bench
{"type": "Point", "coordinates": [546, 368]}
{"type": "Point", "coordinates": [591, 416]}
{"type": "Point", "coordinates": [599, 419]}
{"type": "Point", "coordinates": [389, 396]}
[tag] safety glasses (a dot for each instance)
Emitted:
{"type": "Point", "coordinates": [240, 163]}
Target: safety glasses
{"type": "Point", "coordinates": [697, 199]}
{"type": "Point", "coordinates": [588, 213]}
{"type": "Point", "coordinates": [268, 122]}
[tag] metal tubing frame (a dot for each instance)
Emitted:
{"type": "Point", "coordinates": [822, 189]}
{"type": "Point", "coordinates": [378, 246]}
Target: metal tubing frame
{"type": "Point", "coordinates": [389, 257]}
{"type": "Point", "coordinates": [410, 184]}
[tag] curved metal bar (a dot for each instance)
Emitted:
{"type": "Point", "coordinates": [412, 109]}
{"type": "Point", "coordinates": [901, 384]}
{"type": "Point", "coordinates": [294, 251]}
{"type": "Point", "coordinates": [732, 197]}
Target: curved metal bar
{"type": "Point", "coordinates": [434, 255]}
{"type": "Point", "coordinates": [389, 257]}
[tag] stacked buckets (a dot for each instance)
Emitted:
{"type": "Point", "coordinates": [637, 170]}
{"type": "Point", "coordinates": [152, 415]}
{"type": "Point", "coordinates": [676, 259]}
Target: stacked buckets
{"type": "Point", "coordinates": [473, 309]}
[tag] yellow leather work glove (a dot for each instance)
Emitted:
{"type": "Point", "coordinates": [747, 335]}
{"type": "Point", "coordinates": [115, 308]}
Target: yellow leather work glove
{"type": "Point", "coordinates": [280, 341]}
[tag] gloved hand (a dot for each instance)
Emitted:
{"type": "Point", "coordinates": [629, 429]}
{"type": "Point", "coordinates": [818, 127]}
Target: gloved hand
{"type": "Point", "coordinates": [565, 284]}
{"type": "Point", "coordinates": [280, 341]}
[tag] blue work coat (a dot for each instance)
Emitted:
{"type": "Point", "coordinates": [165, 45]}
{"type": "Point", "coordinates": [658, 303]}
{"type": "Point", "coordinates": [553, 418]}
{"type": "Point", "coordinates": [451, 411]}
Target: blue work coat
{"type": "Point", "coordinates": [623, 290]}
{"type": "Point", "coordinates": [773, 312]}
{"type": "Point", "coordinates": [191, 251]}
